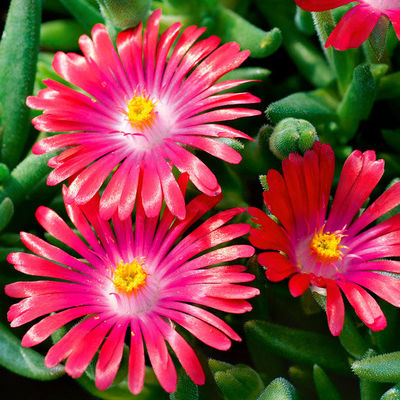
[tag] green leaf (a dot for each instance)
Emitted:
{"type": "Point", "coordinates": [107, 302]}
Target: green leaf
{"type": "Point", "coordinates": [18, 56]}
{"type": "Point", "coordinates": [61, 34]}
{"type": "Point", "coordinates": [389, 86]}
{"type": "Point", "coordinates": [314, 107]}
{"type": "Point", "coordinates": [6, 212]}
{"type": "Point", "coordinates": [238, 382]}
{"type": "Point", "coordinates": [299, 346]}
{"type": "Point", "coordinates": [23, 361]}
{"type": "Point", "coordinates": [230, 26]}
{"type": "Point", "coordinates": [279, 389]}
{"type": "Point", "coordinates": [392, 394]}
{"type": "Point", "coordinates": [120, 391]}
{"type": "Point", "coordinates": [304, 53]}
{"type": "Point", "coordinates": [392, 138]}
{"type": "Point", "coordinates": [381, 368]}
{"type": "Point", "coordinates": [350, 338]}
{"type": "Point", "coordinates": [85, 14]}
{"type": "Point", "coordinates": [25, 177]}
{"type": "Point", "coordinates": [369, 390]}
{"type": "Point", "coordinates": [325, 388]}
{"type": "Point", "coordinates": [185, 389]}
{"type": "Point", "coordinates": [357, 101]}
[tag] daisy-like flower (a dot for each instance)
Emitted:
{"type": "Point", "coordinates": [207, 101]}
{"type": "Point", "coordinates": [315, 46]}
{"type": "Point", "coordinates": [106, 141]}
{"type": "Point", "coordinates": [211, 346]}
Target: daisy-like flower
{"type": "Point", "coordinates": [132, 285]}
{"type": "Point", "coordinates": [138, 114]}
{"type": "Point", "coordinates": [357, 24]}
{"type": "Point", "coordinates": [331, 251]}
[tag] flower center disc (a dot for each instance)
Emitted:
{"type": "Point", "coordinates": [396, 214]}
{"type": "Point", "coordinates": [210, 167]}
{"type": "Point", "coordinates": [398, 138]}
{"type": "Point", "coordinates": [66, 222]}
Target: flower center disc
{"type": "Point", "coordinates": [141, 111]}
{"type": "Point", "coordinates": [326, 246]}
{"type": "Point", "coordinates": [130, 277]}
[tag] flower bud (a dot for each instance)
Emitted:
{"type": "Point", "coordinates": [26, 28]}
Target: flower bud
{"type": "Point", "coordinates": [292, 135]}
{"type": "Point", "coordinates": [125, 13]}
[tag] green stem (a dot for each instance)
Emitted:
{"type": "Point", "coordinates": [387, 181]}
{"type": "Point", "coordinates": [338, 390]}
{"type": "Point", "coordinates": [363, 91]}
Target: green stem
{"type": "Point", "coordinates": [341, 62]}
{"type": "Point", "coordinates": [324, 25]}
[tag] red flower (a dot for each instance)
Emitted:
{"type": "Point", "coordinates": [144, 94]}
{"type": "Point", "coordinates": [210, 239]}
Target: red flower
{"type": "Point", "coordinates": [357, 24]}
{"type": "Point", "coordinates": [328, 250]}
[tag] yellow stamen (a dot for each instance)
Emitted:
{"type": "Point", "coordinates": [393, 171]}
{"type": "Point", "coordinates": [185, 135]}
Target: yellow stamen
{"type": "Point", "coordinates": [130, 277]}
{"type": "Point", "coordinates": [326, 246]}
{"type": "Point", "coordinates": [141, 111]}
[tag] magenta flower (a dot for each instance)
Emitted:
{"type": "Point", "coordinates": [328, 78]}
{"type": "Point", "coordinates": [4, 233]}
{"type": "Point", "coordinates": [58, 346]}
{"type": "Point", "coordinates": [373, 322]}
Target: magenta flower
{"type": "Point", "coordinates": [357, 24]}
{"type": "Point", "coordinates": [330, 250]}
{"type": "Point", "coordinates": [132, 285]}
{"type": "Point", "coordinates": [138, 114]}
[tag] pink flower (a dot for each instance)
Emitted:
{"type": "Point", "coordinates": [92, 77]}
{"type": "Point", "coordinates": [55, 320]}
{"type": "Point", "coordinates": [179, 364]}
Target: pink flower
{"type": "Point", "coordinates": [134, 285]}
{"type": "Point", "coordinates": [357, 24]}
{"type": "Point", "coordinates": [331, 251]}
{"type": "Point", "coordinates": [138, 114]}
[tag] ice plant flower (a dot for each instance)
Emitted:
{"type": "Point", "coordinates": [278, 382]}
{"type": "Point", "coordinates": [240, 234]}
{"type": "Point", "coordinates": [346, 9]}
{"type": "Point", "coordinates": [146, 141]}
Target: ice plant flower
{"type": "Point", "coordinates": [139, 114]}
{"type": "Point", "coordinates": [132, 285]}
{"type": "Point", "coordinates": [357, 24]}
{"type": "Point", "coordinates": [331, 251]}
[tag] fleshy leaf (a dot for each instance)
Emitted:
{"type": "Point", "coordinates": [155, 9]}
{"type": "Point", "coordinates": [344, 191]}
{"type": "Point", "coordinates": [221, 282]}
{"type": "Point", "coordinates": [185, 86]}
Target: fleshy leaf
{"type": "Point", "coordinates": [381, 368]}
{"type": "Point", "coordinates": [238, 382]}
{"type": "Point", "coordinates": [279, 389]}
{"type": "Point", "coordinates": [23, 361]}
{"type": "Point", "coordinates": [299, 346]}
{"type": "Point", "coordinates": [312, 106]}
{"type": "Point", "coordinates": [18, 56]}
{"type": "Point", "coordinates": [185, 389]}
{"type": "Point", "coordinates": [325, 388]}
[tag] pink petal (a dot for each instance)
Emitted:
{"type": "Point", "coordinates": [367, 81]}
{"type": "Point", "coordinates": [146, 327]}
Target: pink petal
{"type": "Point", "coordinates": [110, 356]}
{"type": "Point", "coordinates": [158, 354]}
{"type": "Point", "coordinates": [320, 5]}
{"type": "Point", "coordinates": [186, 356]}
{"type": "Point", "coordinates": [384, 203]}
{"type": "Point", "coordinates": [364, 305]}
{"type": "Point", "coordinates": [354, 28]}
{"type": "Point", "coordinates": [47, 326]}
{"type": "Point", "coordinates": [203, 331]}
{"type": "Point", "coordinates": [298, 284]}
{"type": "Point", "coordinates": [136, 359]}
{"type": "Point", "coordinates": [386, 287]}
{"type": "Point", "coordinates": [85, 349]}
{"type": "Point", "coordinates": [334, 308]}
{"type": "Point", "coordinates": [63, 348]}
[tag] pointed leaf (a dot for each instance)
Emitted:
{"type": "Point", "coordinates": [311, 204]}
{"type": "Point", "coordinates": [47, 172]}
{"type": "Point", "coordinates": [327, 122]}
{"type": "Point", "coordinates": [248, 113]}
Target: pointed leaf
{"type": "Point", "coordinates": [392, 394]}
{"type": "Point", "coordinates": [185, 389]}
{"type": "Point", "coordinates": [299, 346]}
{"type": "Point", "coordinates": [18, 56]}
{"type": "Point", "coordinates": [325, 388]}
{"type": "Point", "coordinates": [314, 107]}
{"type": "Point", "coordinates": [381, 368]}
{"type": "Point", "coordinates": [23, 361]}
{"type": "Point", "coordinates": [279, 389]}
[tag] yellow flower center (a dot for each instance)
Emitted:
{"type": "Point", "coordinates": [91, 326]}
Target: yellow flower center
{"type": "Point", "coordinates": [326, 246]}
{"type": "Point", "coordinates": [141, 111]}
{"type": "Point", "coordinates": [130, 277]}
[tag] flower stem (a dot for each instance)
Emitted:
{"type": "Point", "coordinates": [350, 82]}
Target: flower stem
{"type": "Point", "coordinates": [342, 63]}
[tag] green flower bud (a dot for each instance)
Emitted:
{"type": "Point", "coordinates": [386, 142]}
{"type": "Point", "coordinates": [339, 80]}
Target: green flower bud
{"type": "Point", "coordinates": [292, 135]}
{"type": "Point", "coordinates": [124, 13]}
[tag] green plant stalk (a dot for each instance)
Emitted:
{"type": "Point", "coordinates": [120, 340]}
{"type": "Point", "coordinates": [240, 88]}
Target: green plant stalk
{"type": "Point", "coordinates": [340, 62]}
{"type": "Point", "coordinates": [18, 57]}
